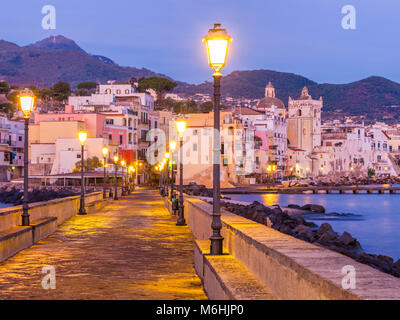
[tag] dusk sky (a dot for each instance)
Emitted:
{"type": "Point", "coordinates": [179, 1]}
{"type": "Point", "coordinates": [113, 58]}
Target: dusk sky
{"type": "Point", "coordinates": [300, 36]}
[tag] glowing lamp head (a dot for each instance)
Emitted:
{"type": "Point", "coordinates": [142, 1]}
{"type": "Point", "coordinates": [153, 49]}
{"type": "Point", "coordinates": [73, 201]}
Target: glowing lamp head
{"type": "Point", "coordinates": [104, 151]}
{"type": "Point", "coordinates": [82, 136]}
{"type": "Point", "coordinates": [167, 155]}
{"type": "Point", "coordinates": [116, 158]}
{"type": "Point", "coordinates": [27, 101]}
{"type": "Point", "coordinates": [217, 40]}
{"type": "Point", "coordinates": [172, 145]}
{"type": "Point", "coordinates": [131, 169]}
{"type": "Point", "coordinates": [123, 163]}
{"type": "Point", "coordinates": [181, 127]}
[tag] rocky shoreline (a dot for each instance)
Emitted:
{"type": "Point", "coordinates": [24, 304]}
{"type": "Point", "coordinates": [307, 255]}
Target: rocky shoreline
{"type": "Point", "coordinates": [324, 235]}
{"type": "Point", "coordinates": [14, 195]}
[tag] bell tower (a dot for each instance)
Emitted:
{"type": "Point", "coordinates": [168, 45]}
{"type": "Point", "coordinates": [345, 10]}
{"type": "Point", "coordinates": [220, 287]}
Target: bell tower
{"type": "Point", "coordinates": [269, 90]}
{"type": "Point", "coordinates": [304, 123]}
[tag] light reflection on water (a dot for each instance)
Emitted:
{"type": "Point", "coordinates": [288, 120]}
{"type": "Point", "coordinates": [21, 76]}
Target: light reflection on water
{"type": "Point", "coordinates": [377, 229]}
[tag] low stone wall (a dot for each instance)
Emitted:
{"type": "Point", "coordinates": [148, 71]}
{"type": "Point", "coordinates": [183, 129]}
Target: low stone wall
{"type": "Point", "coordinates": [289, 268]}
{"type": "Point", "coordinates": [63, 209]}
{"type": "Point", "coordinates": [45, 217]}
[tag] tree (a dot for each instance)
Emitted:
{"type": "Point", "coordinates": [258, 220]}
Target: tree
{"type": "Point", "coordinates": [90, 164]}
{"type": "Point", "coordinates": [206, 106]}
{"type": "Point", "coordinates": [8, 108]}
{"type": "Point", "coordinates": [132, 81]}
{"type": "Point", "coordinates": [89, 85]}
{"type": "Point", "coordinates": [159, 85]}
{"type": "Point", "coordinates": [183, 107]}
{"type": "Point", "coordinates": [371, 172]}
{"type": "Point", "coordinates": [61, 91]}
{"type": "Point", "coordinates": [4, 87]}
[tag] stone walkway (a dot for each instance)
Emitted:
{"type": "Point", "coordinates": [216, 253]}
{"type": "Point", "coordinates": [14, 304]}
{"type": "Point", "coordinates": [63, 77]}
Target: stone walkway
{"type": "Point", "coordinates": [130, 250]}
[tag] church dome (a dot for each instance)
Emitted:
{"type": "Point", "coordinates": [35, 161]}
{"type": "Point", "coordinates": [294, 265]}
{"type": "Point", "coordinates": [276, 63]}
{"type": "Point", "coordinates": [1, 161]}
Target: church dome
{"type": "Point", "coordinates": [270, 99]}
{"type": "Point", "coordinates": [268, 102]}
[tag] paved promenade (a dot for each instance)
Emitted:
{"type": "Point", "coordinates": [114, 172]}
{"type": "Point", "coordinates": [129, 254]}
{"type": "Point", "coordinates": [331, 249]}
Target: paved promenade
{"type": "Point", "coordinates": [130, 250]}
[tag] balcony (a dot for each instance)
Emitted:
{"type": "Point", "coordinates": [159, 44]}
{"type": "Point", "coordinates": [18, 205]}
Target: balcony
{"type": "Point", "coordinates": [5, 142]}
{"type": "Point", "coordinates": [4, 126]}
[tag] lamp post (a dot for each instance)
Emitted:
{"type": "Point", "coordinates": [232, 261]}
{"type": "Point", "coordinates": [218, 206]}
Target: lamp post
{"type": "Point", "coordinates": [181, 126]}
{"type": "Point", "coordinates": [82, 136]}
{"type": "Point", "coordinates": [27, 101]}
{"type": "Point", "coordinates": [217, 40]}
{"type": "Point", "coordinates": [165, 168]}
{"type": "Point", "coordinates": [124, 191]}
{"type": "Point", "coordinates": [167, 157]}
{"type": "Point", "coordinates": [105, 153]}
{"type": "Point", "coordinates": [116, 158]}
{"type": "Point", "coordinates": [172, 147]}
{"type": "Point", "coordinates": [131, 170]}
{"type": "Point", "coordinates": [138, 164]}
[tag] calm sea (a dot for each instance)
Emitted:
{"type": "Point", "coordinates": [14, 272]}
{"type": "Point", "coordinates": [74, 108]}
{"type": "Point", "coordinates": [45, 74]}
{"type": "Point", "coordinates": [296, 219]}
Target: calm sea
{"type": "Point", "coordinates": [376, 223]}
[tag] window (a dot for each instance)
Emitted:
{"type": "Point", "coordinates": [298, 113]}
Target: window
{"type": "Point", "coordinates": [194, 146]}
{"type": "Point", "coordinates": [110, 137]}
{"type": "Point", "coordinates": [109, 121]}
{"type": "Point", "coordinates": [127, 91]}
{"type": "Point", "coordinates": [124, 122]}
{"type": "Point", "coordinates": [195, 132]}
{"type": "Point", "coordinates": [155, 124]}
{"type": "Point", "coordinates": [299, 113]}
{"type": "Point", "coordinates": [20, 138]}
{"type": "Point", "coordinates": [78, 156]}
{"type": "Point", "coordinates": [118, 91]}
{"type": "Point", "coordinates": [120, 139]}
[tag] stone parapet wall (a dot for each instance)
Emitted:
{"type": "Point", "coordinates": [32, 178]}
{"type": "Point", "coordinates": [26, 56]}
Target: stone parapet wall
{"type": "Point", "coordinates": [290, 268]}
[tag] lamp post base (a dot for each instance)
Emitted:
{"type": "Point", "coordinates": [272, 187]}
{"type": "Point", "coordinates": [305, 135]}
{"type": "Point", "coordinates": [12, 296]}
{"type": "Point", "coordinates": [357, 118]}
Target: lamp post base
{"type": "Point", "coordinates": [216, 245]}
{"type": "Point", "coordinates": [181, 218]}
{"type": "Point", "coordinates": [25, 218]}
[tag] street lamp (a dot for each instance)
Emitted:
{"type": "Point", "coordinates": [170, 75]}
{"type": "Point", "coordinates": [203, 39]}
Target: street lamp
{"type": "Point", "coordinates": [104, 150]}
{"type": "Point", "coordinates": [124, 191]}
{"type": "Point", "coordinates": [217, 40]}
{"type": "Point", "coordinates": [181, 126]}
{"type": "Point", "coordinates": [167, 156]}
{"type": "Point", "coordinates": [131, 170]}
{"type": "Point", "coordinates": [116, 158]}
{"type": "Point", "coordinates": [82, 136]}
{"type": "Point", "coordinates": [27, 101]}
{"type": "Point", "coordinates": [172, 147]}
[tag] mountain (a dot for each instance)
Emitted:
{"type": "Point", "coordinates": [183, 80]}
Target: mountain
{"type": "Point", "coordinates": [56, 43]}
{"type": "Point", "coordinates": [59, 59]}
{"type": "Point", "coordinates": [357, 97]}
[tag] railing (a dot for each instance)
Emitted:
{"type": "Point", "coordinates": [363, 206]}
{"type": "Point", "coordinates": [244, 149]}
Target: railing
{"type": "Point", "coordinates": [5, 126]}
{"type": "Point", "coordinates": [5, 141]}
